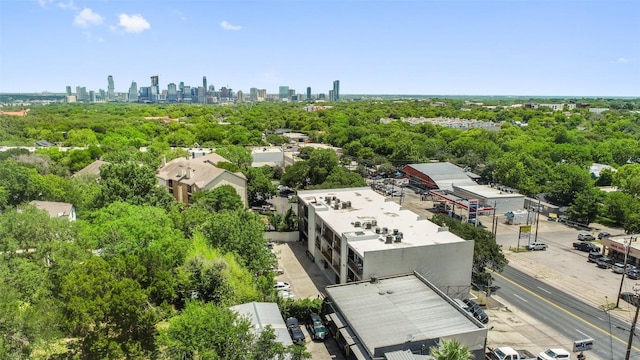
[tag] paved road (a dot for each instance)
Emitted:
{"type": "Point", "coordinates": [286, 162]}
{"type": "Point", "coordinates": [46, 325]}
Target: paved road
{"type": "Point", "coordinates": [566, 314]}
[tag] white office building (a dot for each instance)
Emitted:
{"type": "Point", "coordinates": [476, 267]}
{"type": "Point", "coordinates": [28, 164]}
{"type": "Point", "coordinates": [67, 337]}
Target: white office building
{"type": "Point", "coordinates": [355, 234]}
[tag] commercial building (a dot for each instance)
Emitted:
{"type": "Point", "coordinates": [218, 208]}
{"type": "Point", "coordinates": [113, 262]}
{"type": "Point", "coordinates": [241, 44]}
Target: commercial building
{"type": "Point", "coordinates": [354, 234]}
{"type": "Point", "coordinates": [617, 247]}
{"type": "Point", "coordinates": [439, 175]}
{"type": "Point", "coordinates": [267, 156]}
{"type": "Point", "coordinates": [263, 314]}
{"type": "Point", "coordinates": [183, 177]}
{"type": "Point", "coordinates": [504, 199]}
{"type": "Point", "coordinates": [403, 313]}
{"type": "Point", "coordinates": [336, 91]}
{"type": "Point", "coordinates": [283, 92]}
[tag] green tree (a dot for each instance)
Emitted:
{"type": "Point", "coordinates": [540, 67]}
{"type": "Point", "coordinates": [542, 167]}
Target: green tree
{"type": "Point", "coordinates": [220, 198]}
{"type": "Point", "coordinates": [259, 185]}
{"type": "Point", "coordinates": [584, 208]}
{"type": "Point", "coordinates": [321, 163]}
{"type": "Point", "coordinates": [131, 183]}
{"type": "Point", "coordinates": [567, 181]}
{"type": "Point", "coordinates": [627, 178]}
{"type": "Point", "coordinates": [238, 155]}
{"type": "Point", "coordinates": [450, 350]}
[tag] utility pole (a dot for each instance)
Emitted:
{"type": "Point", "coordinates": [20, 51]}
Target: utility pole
{"type": "Point", "coordinates": [624, 269]}
{"type": "Point", "coordinates": [537, 221]}
{"type": "Point", "coordinates": [493, 221]}
{"type": "Point", "coordinates": [631, 332]}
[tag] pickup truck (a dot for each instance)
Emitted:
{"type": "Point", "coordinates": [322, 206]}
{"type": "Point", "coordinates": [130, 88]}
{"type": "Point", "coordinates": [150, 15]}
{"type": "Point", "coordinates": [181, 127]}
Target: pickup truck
{"type": "Point", "coordinates": [509, 353]}
{"type": "Point", "coordinates": [585, 246]}
{"type": "Point", "coordinates": [604, 262]}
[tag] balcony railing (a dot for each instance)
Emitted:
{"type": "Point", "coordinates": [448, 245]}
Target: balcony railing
{"type": "Point", "coordinates": [354, 266]}
{"type": "Point", "coordinates": [327, 255]}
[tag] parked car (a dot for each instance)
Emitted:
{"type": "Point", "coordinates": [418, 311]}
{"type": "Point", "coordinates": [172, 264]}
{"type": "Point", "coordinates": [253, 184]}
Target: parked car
{"type": "Point", "coordinates": [594, 256]}
{"type": "Point", "coordinates": [631, 298]}
{"type": "Point", "coordinates": [277, 270]}
{"type": "Point", "coordinates": [633, 274]}
{"type": "Point", "coordinates": [586, 237]}
{"type": "Point", "coordinates": [286, 294]}
{"type": "Point", "coordinates": [316, 327]}
{"type": "Point", "coordinates": [281, 285]}
{"type": "Point", "coordinates": [603, 235]}
{"type": "Point", "coordinates": [604, 262]}
{"type": "Point", "coordinates": [297, 336]}
{"type": "Point", "coordinates": [554, 354]}
{"type": "Point", "coordinates": [477, 311]}
{"type": "Point", "coordinates": [586, 246]}
{"type": "Point", "coordinates": [537, 246]}
{"type": "Point", "coordinates": [617, 268]}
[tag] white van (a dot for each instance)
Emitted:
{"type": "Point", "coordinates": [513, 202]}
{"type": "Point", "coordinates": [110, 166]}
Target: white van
{"type": "Point", "coordinates": [461, 304]}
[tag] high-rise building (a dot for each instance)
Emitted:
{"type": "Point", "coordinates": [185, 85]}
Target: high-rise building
{"type": "Point", "coordinates": [155, 88]}
{"type": "Point", "coordinates": [292, 93]}
{"type": "Point", "coordinates": [308, 93]}
{"type": "Point", "coordinates": [172, 92]}
{"type": "Point", "coordinates": [240, 96]}
{"type": "Point", "coordinates": [133, 92]}
{"type": "Point", "coordinates": [262, 94]}
{"type": "Point", "coordinates": [69, 91]}
{"type": "Point", "coordinates": [332, 95]}
{"type": "Point", "coordinates": [283, 92]}
{"type": "Point", "coordinates": [336, 91]}
{"type": "Point", "coordinates": [111, 96]}
{"type": "Point", "coordinates": [92, 96]}
{"type": "Point", "coordinates": [204, 87]}
{"type": "Point", "coordinates": [253, 94]}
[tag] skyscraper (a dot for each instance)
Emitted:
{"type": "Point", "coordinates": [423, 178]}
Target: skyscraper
{"type": "Point", "coordinates": [253, 94]}
{"type": "Point", "coordinates": [283, 92]}
{"type": "Point", "coordinates": [336, 90]}
{"type": "Point", "coordinates": [68, 90]}
{"type": "Point", "coordinates": [155, 88]}
{"type": "Point", "coordinates": [204, 86]}
{"type": "Point", "coordinates": [308, 93]}
{"type": "Point", "coordinates": [133, 92]}
{"type": "Point", "coordinates": [111, 96]}
{"type": "Point", "coordinates": [172, 92]}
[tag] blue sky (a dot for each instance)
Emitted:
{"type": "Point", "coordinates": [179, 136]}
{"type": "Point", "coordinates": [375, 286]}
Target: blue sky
{"type": "Point", "coordinates": [508, 47]}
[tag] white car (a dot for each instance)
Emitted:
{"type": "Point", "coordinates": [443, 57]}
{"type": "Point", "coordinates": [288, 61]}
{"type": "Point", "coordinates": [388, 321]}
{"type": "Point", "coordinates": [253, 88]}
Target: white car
{"type": "Point", "coordinates": [554, 354]}
{"type": "Point", "coordinates": [281, 285]}
{"type": "Point", "coordinates": [286, 294]}
{"type": "Point", "coordinates": [617, 268]}
{"type": "Point", "coordinates": [537, 246]}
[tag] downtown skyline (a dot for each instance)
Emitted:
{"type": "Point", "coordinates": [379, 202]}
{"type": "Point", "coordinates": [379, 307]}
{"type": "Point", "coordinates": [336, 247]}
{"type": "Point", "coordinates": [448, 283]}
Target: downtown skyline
{"type": "Point", "coordinates": [529, 47]}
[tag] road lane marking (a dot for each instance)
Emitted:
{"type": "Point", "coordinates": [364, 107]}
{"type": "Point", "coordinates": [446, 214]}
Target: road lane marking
{"type": "Point", "coordinates": [516, 295]}
{"type": "Point", "coordinates": [585, 335]}
{"type": "Point", "coordinates": [624, 342]}
{"type": "Point", "coordinates": [545, 290]}
{"type": "Point", "coordinates": [599, 318]}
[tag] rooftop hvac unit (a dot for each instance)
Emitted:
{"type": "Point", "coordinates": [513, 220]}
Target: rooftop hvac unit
{"type": "Point", "coordinates": [395, 231]}
{"type": "Point", "coordinates": [327, 199]}
{"type": "Point", "coordinates": [397, 239]}
{"type": "Point", "coordinates": [400, 235]}
{"type": "Point", "coordinates": [389, 239]}
{"type": "Point", "coordinates": [385, 230]}
{"type": "Point", "coordinates": [378, 231]}
{"type": "Point", "coordinates": [336, 206]}
{"type": "Point", "coordinates": [367, 225]}
{"type": "Point", "coordinates": [374, 222]}
{"type": "Point", "coordinates": [333, 198]}
{"type": "Point", "coordinates": [348, 204]}
{"type": "Point", "coordinates": [344, 205]}
{"type": "Point", "coordinates": [337, 200]}
{"type": "Point", "coordinates": [356, 224]}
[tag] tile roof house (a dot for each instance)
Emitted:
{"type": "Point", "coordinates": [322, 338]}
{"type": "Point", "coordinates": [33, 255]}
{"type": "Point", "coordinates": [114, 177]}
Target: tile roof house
{"type": "Point", "coordinates": [93, 168]}
{"type": "Point", "coordinates": [57, 209]}
{"type": "Point", "coordinates": [183, 177]}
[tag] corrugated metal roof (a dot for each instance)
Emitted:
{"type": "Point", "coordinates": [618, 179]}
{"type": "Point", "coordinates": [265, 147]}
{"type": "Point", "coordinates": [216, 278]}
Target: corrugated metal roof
{"type": "Point", "coordinates": [405, 355]}
{"type": "Point", "coordinates": [444, 174]}
{"type": "Point", "coordinates": [262, 314]}
{"type": "Point", "coordinates": [397, 308]}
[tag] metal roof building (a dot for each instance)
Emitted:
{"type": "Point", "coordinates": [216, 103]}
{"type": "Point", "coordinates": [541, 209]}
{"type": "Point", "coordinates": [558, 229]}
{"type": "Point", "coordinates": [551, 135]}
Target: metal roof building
{"type": "Point", "coordinates": [262, 314]}
{"type": "Point", "coordinates": [405, 312]}
{"type": "Point", "coordinates": [439, 175]}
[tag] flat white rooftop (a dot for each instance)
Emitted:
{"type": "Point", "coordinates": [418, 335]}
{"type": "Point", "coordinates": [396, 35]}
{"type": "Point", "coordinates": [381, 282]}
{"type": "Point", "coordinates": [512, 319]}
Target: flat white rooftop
{"type": "Point", "coordinates": [366, 206]}
{"type": "Point", "coordinates": [486, 191]}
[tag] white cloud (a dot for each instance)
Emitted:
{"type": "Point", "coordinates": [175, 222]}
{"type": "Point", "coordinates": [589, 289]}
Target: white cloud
{"type": "Point", "coordinates": [225, 25]}
{"type": "Point", "coordinates": [87, 17]}
{"type": "Point", "coordinates": [133, 23]}
{"type": "Point", "coordinates": [68, 5]}
{"type": "Point", "coordinates": [44, 3]}
{"type": "Point", "coordinates": [623, 60]}
{"type": "Point", "coordinates": [179, 15]}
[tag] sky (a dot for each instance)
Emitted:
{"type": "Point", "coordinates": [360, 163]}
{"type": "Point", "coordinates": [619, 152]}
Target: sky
{"type": "Point", "coordinates": [420, 47]}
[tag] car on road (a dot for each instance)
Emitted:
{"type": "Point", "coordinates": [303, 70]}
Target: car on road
{"type": "Point", "coordinates": [631, 298]}
{"type": "Point", "coordinates": [537, 246]}
{"type": "Point", "coordinates": [603, 235]}
{"type": "Point", "coordinates": [594, 256]}
{"type": "Point", "coordinates": [586, 237]}
{"type": "Point", "coordinates": [281, 285]}
{"type": "Point", "coordinates": [297, 336]}
{"type": "Point", "coordinates": [477, 311]}
{"type": "Point", "coordinates": [617, 268]}
{"type": "Point", "coordinates": [316, 327]}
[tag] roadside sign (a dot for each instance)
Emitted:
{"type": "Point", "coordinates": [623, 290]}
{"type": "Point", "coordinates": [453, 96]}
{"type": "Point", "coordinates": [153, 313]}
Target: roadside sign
{"type": "Point", "coordinates": [582, 345]}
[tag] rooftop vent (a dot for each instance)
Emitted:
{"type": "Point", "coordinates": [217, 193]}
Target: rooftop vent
{"type": "Point", "coordinates": [389, 239]}
{"type": "Point", "coordinates": [374, 278]}
{"type": "Point", "coordinates": [385, 230]}
{"type": "Point", "coordinates": [397, 239]}
{"type": "Point", "coordinates": [443, 228]}
{"type": "Point", "coordinates": [336, 206]}
{"type": "Point", "coordinates": [356, 224]}
{"type": "Point", "coordinates": [395, 231]}
{"type": "Point", "coordinates": [367, 225]}
{"type": "Point", "coordinates": [348, 204]}
{"type": "Point", "coordinates": [378, 230]}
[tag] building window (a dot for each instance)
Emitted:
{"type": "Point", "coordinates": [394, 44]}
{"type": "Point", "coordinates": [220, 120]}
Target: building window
{"type": "Point", "coordinates": [170, 183]}
{"type": "Point", "coordinates": [189, 189]}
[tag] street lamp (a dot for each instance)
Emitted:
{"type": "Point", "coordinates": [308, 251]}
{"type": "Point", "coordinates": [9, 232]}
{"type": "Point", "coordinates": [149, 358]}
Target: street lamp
{"type": "Point", "coordinates": [624, 269]}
